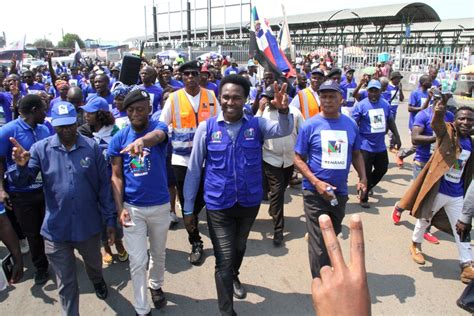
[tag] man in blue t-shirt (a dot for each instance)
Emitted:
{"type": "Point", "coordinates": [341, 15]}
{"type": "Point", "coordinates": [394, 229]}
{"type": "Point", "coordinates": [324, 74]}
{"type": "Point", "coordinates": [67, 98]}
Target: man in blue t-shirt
{"type": "Point", "coordinates": [395, 90]}
{"type": "Point", "coordinates": [326, 146]}
{"type": "Point", "coordinates": [148, 76]}
{"type": "Point", "coordinates": [141, 197]}
{"type": "Point", "coordinates": [420, 99]}
{"type": "Point", "coordinates": [28, 203]}
{"type": "Point", "coordinates": [348, 86]}
{"type": "Point", "coordinates": [374, 119]}
{"type": "Point", "coordinates": [32, 86]}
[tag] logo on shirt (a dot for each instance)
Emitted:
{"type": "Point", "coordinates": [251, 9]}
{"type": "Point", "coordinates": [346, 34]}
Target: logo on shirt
{"type": "Point", "coordinates": [334, 146]}
{"type": "Point", "coordinates": [216, 137]}
{"type": "Point", "coordinates": [85, 162]}
{"type": "Point", "coordinates": [459, 164]}
{"type": "Point", "coordinates": [249, 134]}
{"type": "Point", "coordinates": [140, 165]}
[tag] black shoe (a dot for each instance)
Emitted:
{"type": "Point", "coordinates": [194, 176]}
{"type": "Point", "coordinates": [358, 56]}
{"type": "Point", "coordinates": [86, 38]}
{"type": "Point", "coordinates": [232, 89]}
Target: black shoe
{"type": "Point", "coordinates": [101, 290]}
{"type": "Point", "coordinates": [158, 298]}
{"type": "Point", "coordinates": [149, 314]}
{"type": "Point", "coordinates": [239, 291]}
{"type": "Point", "coordinates": [196, 255]}
{"type": "Point", "coordinates": [277, 239]}
{"type": "Point", "coordinates": [41, 277]}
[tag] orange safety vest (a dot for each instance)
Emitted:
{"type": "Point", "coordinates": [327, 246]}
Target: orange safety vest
{"type": "Point", "coordinates": [308, 103]}
{"type": "Point", "coordinates": [182, 111]}
{"type": "Point", "coordinates": [185, 120]}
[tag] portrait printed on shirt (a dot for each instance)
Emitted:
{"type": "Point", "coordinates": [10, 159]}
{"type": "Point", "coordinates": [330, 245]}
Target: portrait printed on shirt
{"type": "Point", "coordinates": [152, 99]}
{"type": "Point", "coordinates": [334, 149]}
{"type": "Point", "coordinates": [377, 121]}
{"type": "Point", "coordinates": [140, 165]}
{"type": "Point", "coordinates": [350, 95]}
{"type": "Point", "coordinates": [454, 173]}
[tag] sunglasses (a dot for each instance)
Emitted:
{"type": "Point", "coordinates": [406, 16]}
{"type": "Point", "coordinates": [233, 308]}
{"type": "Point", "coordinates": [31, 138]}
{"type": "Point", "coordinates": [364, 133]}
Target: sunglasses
{"type": "Point", "coordinates": [190, 73]}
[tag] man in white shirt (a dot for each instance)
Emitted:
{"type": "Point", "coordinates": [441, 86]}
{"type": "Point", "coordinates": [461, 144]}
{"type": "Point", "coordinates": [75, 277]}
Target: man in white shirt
{"type": "Point", "coordinates": [184, 110]}
{"type": "Point", "coordinates": [278, 155]}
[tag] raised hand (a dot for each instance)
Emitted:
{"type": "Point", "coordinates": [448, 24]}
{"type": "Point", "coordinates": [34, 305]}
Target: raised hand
{"type": "Point", "coordinates": [19, 155]}
{"type": "Point", "coordinates": [135, 148]}
{"type": "Point", "coordinates": [342, 289]}
{"type": "Point", "coordinates": [280, 99]}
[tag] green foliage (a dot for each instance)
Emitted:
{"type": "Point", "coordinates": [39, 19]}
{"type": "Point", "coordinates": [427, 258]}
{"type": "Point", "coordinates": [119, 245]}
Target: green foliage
{"type": "Point", "coordinates": [69, 39]}
{"type": "Point", "coordinates": [43, 43]}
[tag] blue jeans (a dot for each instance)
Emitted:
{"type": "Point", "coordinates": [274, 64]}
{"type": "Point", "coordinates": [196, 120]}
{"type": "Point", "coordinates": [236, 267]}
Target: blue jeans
{"type": "Point", "coordinates": [229, 230]}
{"type": "Point", "coordinates": [417, 167]}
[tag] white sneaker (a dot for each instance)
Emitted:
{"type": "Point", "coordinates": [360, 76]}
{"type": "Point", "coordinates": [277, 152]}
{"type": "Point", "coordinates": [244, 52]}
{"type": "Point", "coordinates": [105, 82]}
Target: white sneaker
{"type": "Point", "coordinates": [173, 219]}
{"type": "Point", "coordinates": [24, 246]}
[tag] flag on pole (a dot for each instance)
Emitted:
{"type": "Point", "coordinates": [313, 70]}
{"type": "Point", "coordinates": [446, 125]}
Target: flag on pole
{"type": "Point", "coordinates": [264, 47]}
{"type": "Point", "coordinates": [284, 38]}
{"type": "Point", "coordinates": [77, 54]}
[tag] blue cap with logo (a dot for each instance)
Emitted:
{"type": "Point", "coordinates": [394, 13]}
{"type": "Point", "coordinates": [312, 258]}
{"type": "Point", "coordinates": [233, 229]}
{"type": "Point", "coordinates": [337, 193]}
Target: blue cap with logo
{"type": "Point", "coordinates": [374, 84]}
{"type": "Point", "coordinates": [330, 85]}
{"type": "Point", "coordinates": [95, 104]}
{"type": "Point", "coordinates": [63, 113]}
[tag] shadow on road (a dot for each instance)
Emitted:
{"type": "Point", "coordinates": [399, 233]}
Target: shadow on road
{"type": "Point", "coordinates": [400, 286]}
{"type": "Point", "coordinates": [442, 268]}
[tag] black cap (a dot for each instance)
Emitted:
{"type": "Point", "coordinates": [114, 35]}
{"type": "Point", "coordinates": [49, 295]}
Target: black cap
{"type": "Point", "coordinates": [350, 69]}
{"type": "Point", "coordinates": [167, 68]}
{"type": "Point", "coordinates": [317, 71]}
{"type": "Point", "coordinates": [135, 96]}
{"type": "Point", "coordinates": [335, 71]}
{"type": "Point", "coordinates": [396, 74]}
{"type": "Point", "coordinates": [190, 65]}
{"type": "Point", "coordinates": [268, 92]}
{"type": "Point", "coordinates": [330, 85]}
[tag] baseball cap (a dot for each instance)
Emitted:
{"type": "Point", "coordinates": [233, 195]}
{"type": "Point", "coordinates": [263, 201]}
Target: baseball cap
{"type": "Point", "coordinates": [63, 113]}
{"type": "Point", "coordinates": [330, 85]}
{"type": "Point", "coordinates": [135, 96]}
{"type": "Point", "coordinates": [251, 63]}
{"type": "Point", "coordinates": [374, 84]}
{"type": "Point", "coordinates": [317, 71]}
{"type": "Point", "coordinates": [268, 92]}
{"type": "Point", "coordinates": [190, 65]}
{"type": "Point", "coordinates": [334, 71]}
{"type": "Point", "coordinates": [95, 104]}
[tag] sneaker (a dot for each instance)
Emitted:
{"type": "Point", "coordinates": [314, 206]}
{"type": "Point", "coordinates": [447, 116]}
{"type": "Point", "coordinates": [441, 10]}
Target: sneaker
{"type": "Point", "coordinates": [396, 215]}
{"type": "Point", "coordinates": [107, 259]}
{"type": "Point", "coordinates": [24, 246]}
{"type": "Point", "coordinates": [195, 257]}
{"type": "Point", "coordinates": [277, 239]}
{"type": "Point", "coordinates": [158, 297]}
{"type": "Point", "coordinates": [431, 238]}
{"type": "Point", "coordinates": [173, 219]}
{"type": "Point", "coordinates": [364, 204]}
{"type": "Point", "coordinates": [41, 277]}
{"type": "Point", "coordinates": [399, 161]}
{"type": "Point", "coordinates": [101, 290]}
{"type": "Point", "coordinates": [416, 254]}
{"type": "Point", "coordinates": [467, 273]}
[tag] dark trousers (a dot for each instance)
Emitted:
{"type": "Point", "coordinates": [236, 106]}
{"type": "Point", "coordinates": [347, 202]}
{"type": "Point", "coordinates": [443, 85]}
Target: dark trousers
{"type": "Point", "coordinates": [376, 165]}
{"type": "Point", "coordinates": [229, 230]}
{"type": "Point", "coordinates": [193, 231]}
{"type": "Point", "coordinates": [314, 206]}
{"type": "Point", "coordinates": [16, 226]}
{"type": "Point", "coordinates": [29, 210]}
{"type": "Point", "coordinates": [62, 259]}
{"type": "Point", "coordinates": [278, 179]}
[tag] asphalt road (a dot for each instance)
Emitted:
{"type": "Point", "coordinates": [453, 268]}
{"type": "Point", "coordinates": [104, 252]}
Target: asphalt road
{"type": "Point", "coordinates": [278, 279]}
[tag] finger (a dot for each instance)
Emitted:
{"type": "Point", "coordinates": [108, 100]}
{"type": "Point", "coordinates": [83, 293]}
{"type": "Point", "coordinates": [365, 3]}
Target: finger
{"type": "Point", "coordinates": [15, 143]}
{"type": "Point", "coordinates": [283, 87]}
{"type": "Point", "coordinates": [331, 242]}
{"type": "Point", "coordinates": [275, 87]}
{"type": "Point", "coordinates": [357, 244]}
{"type": "Point", "coordinates": [125, 150]}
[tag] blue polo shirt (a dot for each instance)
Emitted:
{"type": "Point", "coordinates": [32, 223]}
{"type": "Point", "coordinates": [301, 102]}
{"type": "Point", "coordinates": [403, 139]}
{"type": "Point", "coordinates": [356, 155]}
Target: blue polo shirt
{"type": "Point", "coordinates": [423, 119]}
{"type": "Point", "coordinates": [26, 136]}
{"type": "Point", "coordinates": [78, 195]}
{"type": "Point", "coordinates": [5, 111]}
{"type": "Point", "coordinates": [155, 96]}
{"type": "Point", "coordinates": [213, 87]}
{"type": "Point", "coordinates": [36, 87]}
{"type": "Point", "coordinates": [328, 145]}
{"type": "Point", "coordinates": [372, 119]}
{"type": "Point", "coordinates": [145, 178]}
{"type": "Point", "coordinates": [417, 99]}
{"type": "Point", "coordinates": [452, 183]}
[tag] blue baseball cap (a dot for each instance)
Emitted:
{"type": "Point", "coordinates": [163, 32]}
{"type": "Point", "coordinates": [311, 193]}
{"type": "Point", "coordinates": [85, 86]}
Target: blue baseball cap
{"type": "Point", "coordinates": [330, 85]}
{"type": "Point", "coordinates": [63, 113]}
{"type": "Point", "coordinates": [374, 84]}
{"type": "Point", "coordinates": [95, 104]}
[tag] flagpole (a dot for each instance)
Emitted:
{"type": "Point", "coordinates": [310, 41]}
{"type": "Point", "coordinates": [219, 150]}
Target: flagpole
{"type": "Point", "coordinates": [290, 44]}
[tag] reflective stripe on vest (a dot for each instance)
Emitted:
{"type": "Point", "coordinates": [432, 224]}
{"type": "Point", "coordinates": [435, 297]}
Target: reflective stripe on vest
{"type": "Point", "coordinates": [185, 120]}
{"type": "Point", "coordinates": [308, 103]}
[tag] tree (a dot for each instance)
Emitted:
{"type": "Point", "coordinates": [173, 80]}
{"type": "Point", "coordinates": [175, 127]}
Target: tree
{"type": "Point", "coordinates": [69, 39]}
{"type": "Point", "coordinates": [43, 43]}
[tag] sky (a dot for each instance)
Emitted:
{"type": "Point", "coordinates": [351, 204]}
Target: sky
{"type": "Point", "coordinates": [121, 19]}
